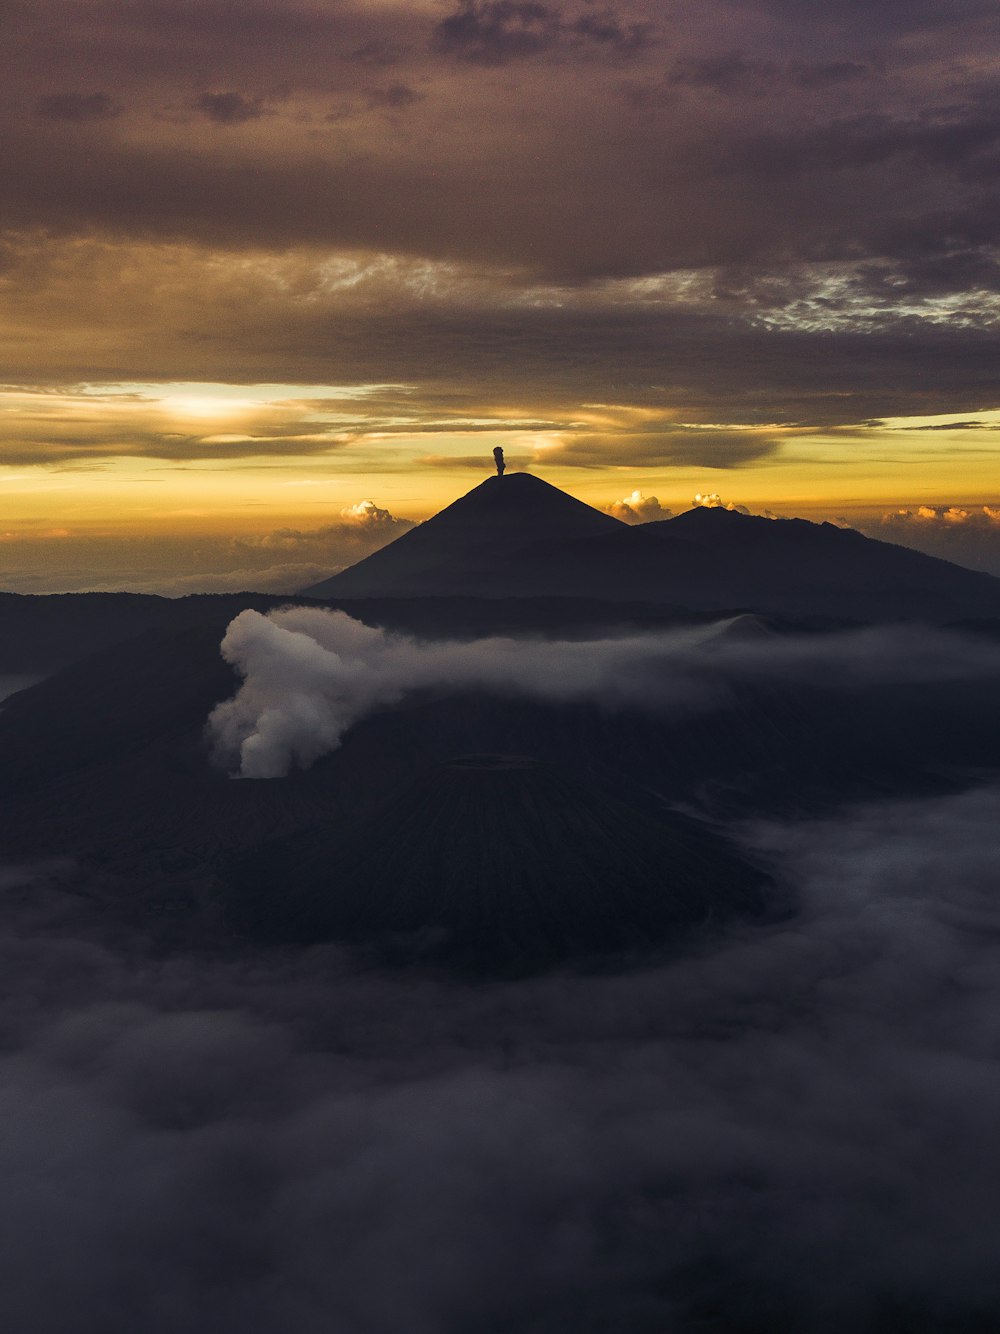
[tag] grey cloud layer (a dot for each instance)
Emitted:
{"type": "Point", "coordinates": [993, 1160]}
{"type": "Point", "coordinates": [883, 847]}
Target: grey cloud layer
{"type": "Point", "coordinates": [795, 1132]}
{"type": "Point", "coordinates": [680, 175]}
{"type": "Point", "coordinates": [808, 346]}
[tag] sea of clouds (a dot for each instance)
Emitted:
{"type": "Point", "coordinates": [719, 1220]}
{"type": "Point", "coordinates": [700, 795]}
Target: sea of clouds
{"type": "Point", "coordinates": [794, 1132]}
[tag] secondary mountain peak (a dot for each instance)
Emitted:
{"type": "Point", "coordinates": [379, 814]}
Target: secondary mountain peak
{"type": "Point", "coordinates": [707, 517]}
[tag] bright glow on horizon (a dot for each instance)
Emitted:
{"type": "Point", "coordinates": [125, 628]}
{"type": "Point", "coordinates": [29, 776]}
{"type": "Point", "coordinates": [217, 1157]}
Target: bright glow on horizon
{"type": "Point", "coordinates": [191, 406]}
{"type": "Point", "coordinates": [188, 468]}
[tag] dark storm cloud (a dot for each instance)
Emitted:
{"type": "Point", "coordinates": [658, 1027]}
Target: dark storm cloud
{"type": "Point", "coordinates": [711, 367]}
{"type": "Point", "coordinates": [728, 73]}
{"type": "Point", "coordinates": [794, 1132]}
{"type": "Point", "coordinates": [491, 32]}
{"type": "Point", "coordinates": [77, 106]}
{"type": "Point", "coordinates": [229, 108]}
{"type": "Point", "coordinates": [859, 19]}
{"type": "Point", "coordinates": [759, 140]}
{"type": "Point", "coordinates": [963, 143]}
{"type": "Point", "coordinates": [954, 426]}
{"type": "Point", "coordinates": [664, 446]}
{"type": "Point", "coordinates": [224, 194]}
{"type": "Point", "coordinates": [733, 74]}
{"type": "Point", "coordinates": [393, 97]}
{"type": "Point", "coordinates": [64, 446]}
{"type": "Point", "coordinates": [961, 270]}
{"type": "Point", "coordinates": [600, 191]}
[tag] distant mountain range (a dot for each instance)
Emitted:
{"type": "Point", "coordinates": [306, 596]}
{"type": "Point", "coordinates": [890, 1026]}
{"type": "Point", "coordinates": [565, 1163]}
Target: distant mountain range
{"type": "Point", "coordinates": [516, 555]}
{"type": "Point", "coordinates": [517, 536]}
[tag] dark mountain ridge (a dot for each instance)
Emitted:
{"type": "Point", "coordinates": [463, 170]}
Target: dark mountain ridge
{"type": "Point", "coordinates": [517, 536]}
{"type": "Point", "coordinates": [41, 632]}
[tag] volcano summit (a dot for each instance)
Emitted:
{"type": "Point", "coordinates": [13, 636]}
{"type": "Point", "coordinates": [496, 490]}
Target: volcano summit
{"type": "Point", "coordinates": [474, 545]}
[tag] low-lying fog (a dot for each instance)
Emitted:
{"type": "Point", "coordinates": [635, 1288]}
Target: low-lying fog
{"type": "Point", "coordinates": [794, 1132]}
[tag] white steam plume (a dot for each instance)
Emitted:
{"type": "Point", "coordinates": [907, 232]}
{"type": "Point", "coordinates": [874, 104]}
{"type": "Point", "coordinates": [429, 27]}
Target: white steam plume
{"type": "Point", "coordinates": [310, 674]}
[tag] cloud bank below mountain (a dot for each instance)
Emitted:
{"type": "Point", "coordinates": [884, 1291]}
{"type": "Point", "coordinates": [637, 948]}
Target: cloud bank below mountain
{"type": "Point", "coordinates": [795, 1132]}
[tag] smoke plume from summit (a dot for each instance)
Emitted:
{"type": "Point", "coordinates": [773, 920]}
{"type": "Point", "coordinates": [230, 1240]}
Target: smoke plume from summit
{"type": "Point", "coordinates": [310, 674]}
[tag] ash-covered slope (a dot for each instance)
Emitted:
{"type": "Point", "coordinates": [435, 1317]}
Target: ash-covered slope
{"type": "Point", "coordinates": [500, 863]}
{"type": "Point", "coordinates": [473, 545]}
{"type": "Point", "coordinates": [519, 537]}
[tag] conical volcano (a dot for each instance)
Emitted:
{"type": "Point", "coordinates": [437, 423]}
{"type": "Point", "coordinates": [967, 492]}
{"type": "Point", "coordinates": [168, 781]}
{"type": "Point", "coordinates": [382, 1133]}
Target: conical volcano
{"type": "Point", "coordinates": [470, 547]}
{"type": "Point", "coordinates": [501, 864]}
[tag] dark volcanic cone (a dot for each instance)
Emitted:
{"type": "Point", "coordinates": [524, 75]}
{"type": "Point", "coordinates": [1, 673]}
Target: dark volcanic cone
{"type": "Point", "coordinates": [500, 864]}
{"type": "Point", "coordinates": [468, 546]}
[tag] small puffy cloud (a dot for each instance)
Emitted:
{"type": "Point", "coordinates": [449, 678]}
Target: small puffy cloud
{"type": "Point", "coordinates": [367, 515]}
{"type": "Point", "coordinates": [638, 508]}
{"type": "Point", "coordinates": [967, 535]}
{"type": "Point", "coordinates": [359, 530]}
{"type": "Point", "coordinates": [229, 108]}
{"type": "Point", "coordinates": [77, 106]}
{"type": "Point", "coordinates": [713, 501]}
{"type": "Point", "coordinates": [982, 517]}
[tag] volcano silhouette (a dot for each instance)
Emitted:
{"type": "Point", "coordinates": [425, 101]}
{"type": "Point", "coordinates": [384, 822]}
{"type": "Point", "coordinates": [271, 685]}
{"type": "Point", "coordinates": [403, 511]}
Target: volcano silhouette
{"type": "Point", "coordinates": [501, 864]}
{"type": "Point", "coordinates": [475, 544]}
{"type": "Point", "coordinates": [518, 537]}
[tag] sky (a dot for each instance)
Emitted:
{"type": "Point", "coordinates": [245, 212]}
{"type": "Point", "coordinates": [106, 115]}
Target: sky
{"type": "Point", "coordinates": [275, 278]}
